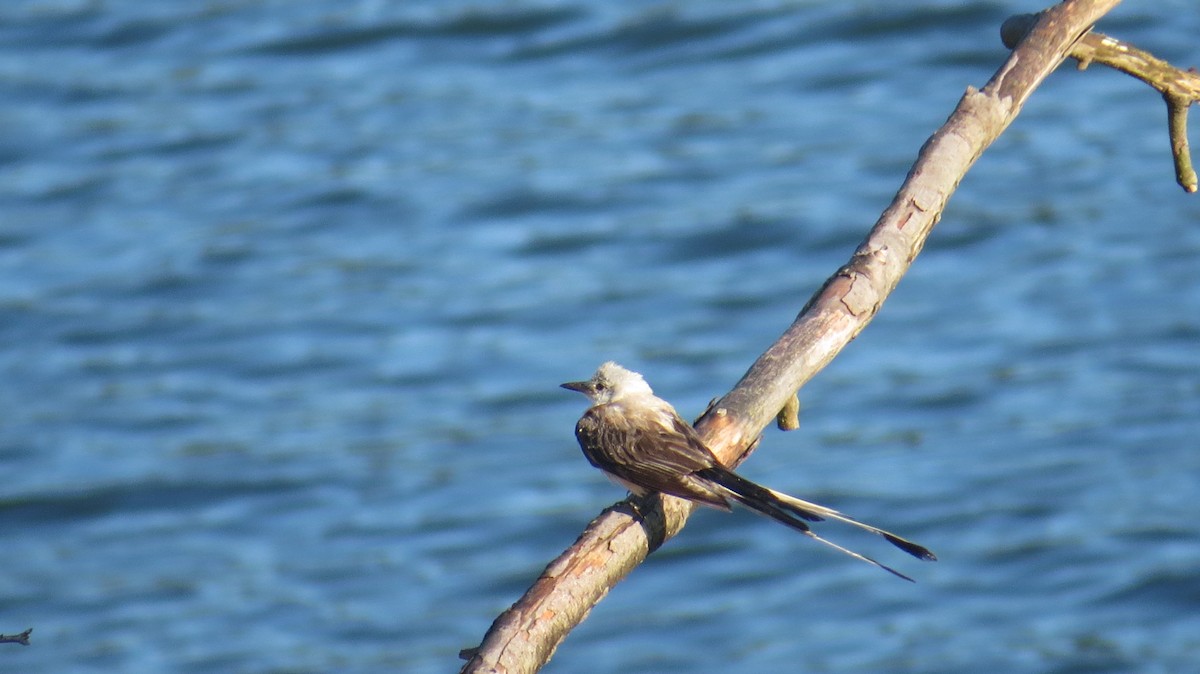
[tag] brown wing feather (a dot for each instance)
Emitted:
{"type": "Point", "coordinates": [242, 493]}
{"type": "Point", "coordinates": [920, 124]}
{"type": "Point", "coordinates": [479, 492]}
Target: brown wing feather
{"type": "Point", "coordinates": [648, 455]}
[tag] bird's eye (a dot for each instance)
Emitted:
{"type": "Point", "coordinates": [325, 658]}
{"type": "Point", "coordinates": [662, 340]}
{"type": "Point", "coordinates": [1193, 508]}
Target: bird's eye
{"type": "Point", "coordinates": [600, 387]}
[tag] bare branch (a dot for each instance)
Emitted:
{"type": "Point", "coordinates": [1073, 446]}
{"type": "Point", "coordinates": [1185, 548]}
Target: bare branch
{"type": "Point", "coordinates": [524, 637]}
{"type": "Point", "coordinates": [852, 296]}
{"type": "Point", "coordinates": [1180, 88]}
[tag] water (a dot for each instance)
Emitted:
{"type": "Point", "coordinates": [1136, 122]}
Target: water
{"type": "Point", "coordinates": [288, 288]}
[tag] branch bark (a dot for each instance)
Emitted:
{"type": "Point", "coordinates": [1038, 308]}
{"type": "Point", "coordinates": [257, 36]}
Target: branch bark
{"type": "Point", "coordinates": [524, 637]}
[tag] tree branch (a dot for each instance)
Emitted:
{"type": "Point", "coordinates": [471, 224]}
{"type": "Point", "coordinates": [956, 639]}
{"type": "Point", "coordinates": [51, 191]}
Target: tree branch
{"type": "Point", "coordinates": [1179, 88]}
{"type": "Point", "coordinates": [524, 637]}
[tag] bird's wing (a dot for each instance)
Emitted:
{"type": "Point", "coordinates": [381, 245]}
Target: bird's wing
{"type": "Point", "coordinates": [642, 451]}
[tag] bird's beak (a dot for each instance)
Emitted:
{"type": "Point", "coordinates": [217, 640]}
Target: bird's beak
{"type": "Point", "coordinates": [584, 387]}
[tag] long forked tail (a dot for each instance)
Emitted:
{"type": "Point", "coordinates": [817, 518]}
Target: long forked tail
{"type": "Point", "coordinates": [795, 512]}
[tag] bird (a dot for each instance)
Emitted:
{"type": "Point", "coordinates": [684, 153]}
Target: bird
{"type": "Point", "coordinates": [640, 442]}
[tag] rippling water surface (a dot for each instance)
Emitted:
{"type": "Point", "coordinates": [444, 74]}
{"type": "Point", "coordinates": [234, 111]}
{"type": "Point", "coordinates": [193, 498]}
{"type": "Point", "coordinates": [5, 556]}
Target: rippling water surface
{"type": "Point", "coordinates": [286, 291]}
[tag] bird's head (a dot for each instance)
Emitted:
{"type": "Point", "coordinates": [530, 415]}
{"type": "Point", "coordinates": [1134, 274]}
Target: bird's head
{"type": "Point", "coordinates": [611, 382]}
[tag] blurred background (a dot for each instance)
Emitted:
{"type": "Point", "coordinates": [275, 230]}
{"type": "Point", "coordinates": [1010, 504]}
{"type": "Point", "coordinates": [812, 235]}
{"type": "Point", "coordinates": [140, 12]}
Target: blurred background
{"type": "Point", "coordinates": [287, 290]}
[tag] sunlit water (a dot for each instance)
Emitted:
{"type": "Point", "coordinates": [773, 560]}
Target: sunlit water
{"type": "Point", "coordinates": [286, 291]}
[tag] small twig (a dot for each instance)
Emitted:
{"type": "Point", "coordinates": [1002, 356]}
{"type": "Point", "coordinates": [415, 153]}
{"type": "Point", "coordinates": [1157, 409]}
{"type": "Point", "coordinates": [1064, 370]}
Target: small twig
{"type": "Point", "coordinates": [788, 418]}
{"type": "Point", "coordinates": [1180, 88]}
{"type": "Point", "coordinates": [22, 638]}
{"type": "Point", "coordinates": [1177, 108]}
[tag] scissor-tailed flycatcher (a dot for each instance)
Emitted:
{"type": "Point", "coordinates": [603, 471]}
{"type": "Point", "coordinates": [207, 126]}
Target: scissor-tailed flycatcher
{"type": "Point", "coordinates": [642, 443]}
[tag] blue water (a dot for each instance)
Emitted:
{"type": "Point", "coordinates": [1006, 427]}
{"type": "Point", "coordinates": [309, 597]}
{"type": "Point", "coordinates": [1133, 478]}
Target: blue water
{"type": "Point", "coordinates": [286, 291]}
